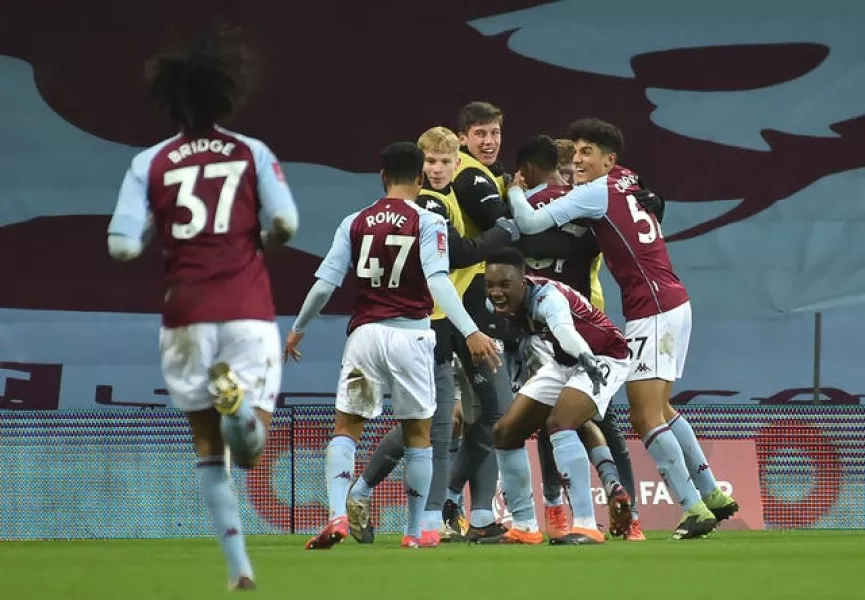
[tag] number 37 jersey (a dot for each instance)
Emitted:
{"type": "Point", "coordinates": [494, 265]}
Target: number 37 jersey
{"type": "Point", "coordinates": [205, 195]}
{"type": "Point", "coordinates": [393, 247]}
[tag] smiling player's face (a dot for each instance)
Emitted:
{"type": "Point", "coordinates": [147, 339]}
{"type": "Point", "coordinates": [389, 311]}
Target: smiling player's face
{"type": "Point", "coordinates": [591, 162]}
{"type": "Point", "coordinates": [483, 142]}
{"type": "Point", "coordinates": [506, 288]}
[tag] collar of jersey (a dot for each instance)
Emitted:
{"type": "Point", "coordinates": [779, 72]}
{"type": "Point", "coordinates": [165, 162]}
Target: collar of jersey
{"type": "Point", "coordinates": [536, 189]}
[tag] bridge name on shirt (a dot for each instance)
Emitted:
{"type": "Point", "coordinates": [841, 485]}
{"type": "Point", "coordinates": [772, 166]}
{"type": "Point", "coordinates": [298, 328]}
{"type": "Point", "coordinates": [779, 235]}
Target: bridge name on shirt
{"type": "Point", "coordinates": [199, 146]}
{"type": "Point", "coordinates": [386, 216]}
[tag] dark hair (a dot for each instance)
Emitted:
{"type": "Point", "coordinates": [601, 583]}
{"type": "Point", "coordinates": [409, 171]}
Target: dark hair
{"type": "Point", "coordinates": [539, 150]}
{"type": "Point", "coordinates": [478, 113]}
{"type": "Point", "coordinates": [507, 256]}
{"type": "Point", "coordinates": [201, 81]}
{"type": "Point", "coordinates": [402, 162]}
{"type": "Point", "coordinates": [605, 135]}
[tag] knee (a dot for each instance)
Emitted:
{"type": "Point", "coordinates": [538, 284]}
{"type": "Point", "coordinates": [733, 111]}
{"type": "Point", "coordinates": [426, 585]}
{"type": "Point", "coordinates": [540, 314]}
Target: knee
{"type": "Point", "coordinates": [670, 413]}
{"type": "Point", "coordinates": [347, 425]}
{"type": "Point", "coordinates": [247, 463]}
{"type": "Point", "coordinates": [642, 420]}
{"type": "Point", "coordinates": [503, 437]}
{"type": "Point", "coordinates": [416, 433]}
{"type": "Point", "coordinates": [555, 423]}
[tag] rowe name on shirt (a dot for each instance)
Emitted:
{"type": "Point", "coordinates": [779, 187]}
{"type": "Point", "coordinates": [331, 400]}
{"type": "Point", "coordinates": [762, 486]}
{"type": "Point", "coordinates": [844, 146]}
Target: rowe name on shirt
{"type": "Point", "coordinates": [386, 216]}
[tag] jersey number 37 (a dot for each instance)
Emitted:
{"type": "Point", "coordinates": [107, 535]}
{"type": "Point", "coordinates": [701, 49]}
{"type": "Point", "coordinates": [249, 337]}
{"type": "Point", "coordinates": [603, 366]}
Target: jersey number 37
{"type": "Point", "coordinates": [186, 178]}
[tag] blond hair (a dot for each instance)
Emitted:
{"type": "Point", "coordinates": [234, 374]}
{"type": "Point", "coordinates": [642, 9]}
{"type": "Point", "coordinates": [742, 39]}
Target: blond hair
{"type": "Point", "coordinates": [440, 140]}
{"type": "Point", "coordinates": [566, 151]}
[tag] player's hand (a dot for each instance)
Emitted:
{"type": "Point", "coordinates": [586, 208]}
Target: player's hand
{"type": "Point", "coordinates": [650, 201]}
{"type": "Point", "coordinates": [558, 179]}
{"type": "Point", "coordinates": [291, 344]}
{"type": "Point", "coordinates": [457, 419]}
{"type": "Point", "coordinates": [518, 181]}
{"type": "Point", "coordinates": [590, 366]}
{"type": "Point", "coordinates": [510, 226]}
{"type": "Point", "coordinates": [483, 349]}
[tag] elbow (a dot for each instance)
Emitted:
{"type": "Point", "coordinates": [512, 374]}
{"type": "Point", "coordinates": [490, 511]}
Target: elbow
{"type": "Point", "coordinates": [461, 258]}
{"type": "Point", "coordinates": [124, 255]}
{"type": "Point", "coordinates": [598, 214]}
{"type": "Point", "coordinates": [462, 264]}
{"type": "Point", "coordinates": [124, 249]}
{"type": "Point", "coordinates": [283, 230]}
{"type": "Point", "coordinates": [530, 226]}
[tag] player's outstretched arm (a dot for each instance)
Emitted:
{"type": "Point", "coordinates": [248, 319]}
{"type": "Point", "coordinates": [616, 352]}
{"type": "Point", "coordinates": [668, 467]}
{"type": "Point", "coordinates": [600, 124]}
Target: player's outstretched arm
{"type": "Point", "coordinates": [468, 251]}
{"type": "Point", "coordinates": [556, 313]}
{"type": "Point", "coordinates": [556, 244]}
{"type": "Point", "coordinates": [528, 219]}
{"type": "Point", "coordinates": [480, 345]}
{"type": "Point", "coordinates": [315, 301]}
{"type": "Point", "coordinates": [330, 275]}
{"type": "Point", "coordinates": [465, 252]}
{"type": "Point", "coordinates": [435, 264]}
{"type": "Point", "coordinates": [588, 201]}
{"type": "Point", "coordinates": [552, 308]}
{"type": "Point", "coordinates": [479, 198]}
{"type": "Point", "coordinates": [562, 327]}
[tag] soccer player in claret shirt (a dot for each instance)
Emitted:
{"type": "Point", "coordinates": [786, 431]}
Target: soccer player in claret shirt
{"type": "Point", "coordinates": [590, 364]}
{"type": "Point", "coordinates": [538, 159]}
{"type": "Point", "coordinates": [205, 189]}
{"type": "Point", "coordinates": [399, 252]}
{"type": "Point", "coordinates": [440, 147]}
{"type": "Point", "coordinates": [656, 308]}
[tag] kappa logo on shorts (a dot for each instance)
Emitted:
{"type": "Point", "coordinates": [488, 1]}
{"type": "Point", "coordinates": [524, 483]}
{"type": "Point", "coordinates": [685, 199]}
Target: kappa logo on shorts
{"type": "Point", "coordinates": [642, 368]}
{"type": "Point", "coordinates": [667, 344]}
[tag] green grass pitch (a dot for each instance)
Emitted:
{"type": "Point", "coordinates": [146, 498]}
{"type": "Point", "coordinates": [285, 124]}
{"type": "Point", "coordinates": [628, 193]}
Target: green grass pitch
{"type": "Point", "coordinates": [729, 565]}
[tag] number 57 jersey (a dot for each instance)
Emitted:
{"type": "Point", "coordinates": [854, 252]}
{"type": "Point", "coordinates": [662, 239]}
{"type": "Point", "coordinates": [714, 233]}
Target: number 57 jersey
{"type": "Point", "coordinates": [393, 245]}
{"type": "Point", "coordinates": [635, 251]}
{"type": "Point", "coordinates": [205, 195]}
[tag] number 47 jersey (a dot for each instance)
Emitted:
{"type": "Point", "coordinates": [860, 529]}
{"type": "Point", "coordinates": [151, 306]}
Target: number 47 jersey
{"type": "Point", "coordinates": [393, 245]}
{"type": "Point", "coordinates": [205, 195]}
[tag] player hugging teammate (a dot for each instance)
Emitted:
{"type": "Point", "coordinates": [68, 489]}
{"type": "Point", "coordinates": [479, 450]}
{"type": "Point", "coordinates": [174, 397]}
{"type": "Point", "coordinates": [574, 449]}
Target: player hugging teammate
{"type": "Point", "coordinates": [446, 269]}
{"type": "Point", "coordinates": [558, 234]}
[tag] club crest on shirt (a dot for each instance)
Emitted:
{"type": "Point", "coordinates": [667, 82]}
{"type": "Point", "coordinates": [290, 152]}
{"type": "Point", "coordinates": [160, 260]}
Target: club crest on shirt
{"type": "Point", "coordinates": [277, 170]}
{"type": "Point", "coordinates": [441, 243]}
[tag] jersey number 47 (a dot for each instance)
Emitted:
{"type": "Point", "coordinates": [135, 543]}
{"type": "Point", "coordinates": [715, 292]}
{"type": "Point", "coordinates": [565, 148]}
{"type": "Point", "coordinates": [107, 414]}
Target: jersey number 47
{"type": "Point", "coordinates": [370, 267]}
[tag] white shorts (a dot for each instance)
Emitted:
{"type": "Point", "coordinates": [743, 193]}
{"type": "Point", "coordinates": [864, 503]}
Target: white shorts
{"type": "Point", "coordinates": [547, 384]}
{"type": "Point", "coordinates": [659, 344]}
{"type": "Point", "coordinates": [251, 348]}
{"type": "Point", "coordinates": [533, 353]}
{"type": "Point", "coordinates": [378, 356]}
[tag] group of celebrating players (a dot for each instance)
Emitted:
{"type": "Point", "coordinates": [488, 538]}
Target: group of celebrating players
{"type": "Point", "coordinates": [464, 273]}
